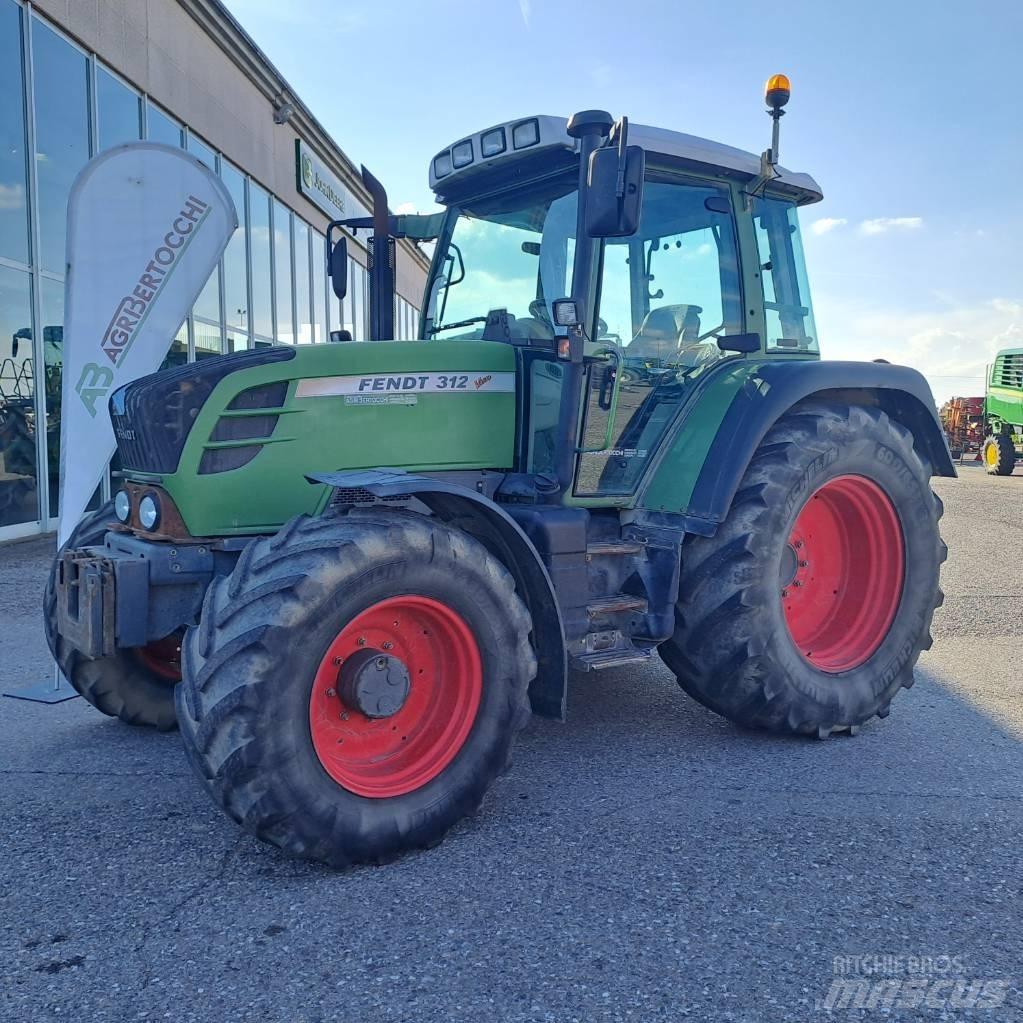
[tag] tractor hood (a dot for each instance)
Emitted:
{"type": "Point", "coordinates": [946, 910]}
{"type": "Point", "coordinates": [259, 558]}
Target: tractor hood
{"type": "Point", "coordinates": [231, 439]}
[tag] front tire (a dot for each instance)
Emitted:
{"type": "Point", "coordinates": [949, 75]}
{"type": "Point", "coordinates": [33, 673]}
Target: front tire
{"type": "Point", "coordinates": [999, 455]}
{"type": "Point", "coordinates": [355, 685]}
{"type": "Point", "coordinates": [135, 685]}
{"type": "Point", "coordinates": [808, 609]}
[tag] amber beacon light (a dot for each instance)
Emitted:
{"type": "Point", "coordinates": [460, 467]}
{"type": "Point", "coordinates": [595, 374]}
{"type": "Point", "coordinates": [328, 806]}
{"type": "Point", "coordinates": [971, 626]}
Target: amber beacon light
{"type": "Point", "coordinates": [777, 91]}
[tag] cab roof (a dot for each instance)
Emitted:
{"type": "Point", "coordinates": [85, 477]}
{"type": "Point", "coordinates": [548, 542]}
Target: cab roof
{"type": "Point", "coordinates": [464, 160]}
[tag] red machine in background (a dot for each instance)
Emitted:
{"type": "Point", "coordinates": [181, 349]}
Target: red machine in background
{"type": "Point", "coordinates": [963, 422]}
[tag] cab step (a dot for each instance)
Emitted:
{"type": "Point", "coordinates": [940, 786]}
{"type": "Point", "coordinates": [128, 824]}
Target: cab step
{"type": "Point", "coordinates": [622, 547]}
{"type": "Point", "coordinates": [615, 602]}
{"type": "Point", "coordinates": [609, 659]}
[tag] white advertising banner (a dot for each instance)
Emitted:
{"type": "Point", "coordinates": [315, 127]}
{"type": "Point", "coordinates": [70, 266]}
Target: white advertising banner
{"type": "Point", "coordinates": [147, 224]}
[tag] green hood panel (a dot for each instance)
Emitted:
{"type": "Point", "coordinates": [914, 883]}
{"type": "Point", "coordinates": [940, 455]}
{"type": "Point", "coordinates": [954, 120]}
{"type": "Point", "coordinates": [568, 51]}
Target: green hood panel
{"type": "Point", "coordinates": [421, 406]}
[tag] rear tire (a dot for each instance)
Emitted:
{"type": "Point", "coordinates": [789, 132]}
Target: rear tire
{"type": "Point", "coordinates": [270, 726]}
{"type": "Point", "coordinates": [999, 455]}
{"type": "Point", "coordinates": [133, 685]}
{"type": "Point", "coordinates": [845, 486]}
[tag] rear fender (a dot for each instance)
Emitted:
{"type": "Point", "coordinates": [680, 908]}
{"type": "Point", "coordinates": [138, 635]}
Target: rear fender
{"type": "Point", "coordinates": [487, 522]}
{"type": "Point", "coordinates": [766, 395]}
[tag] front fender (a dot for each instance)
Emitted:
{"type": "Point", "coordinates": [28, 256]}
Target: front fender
{"type": "Point", "coordinates": [767, 393]}
{"type": "Point", "coordinates": [489, 523]}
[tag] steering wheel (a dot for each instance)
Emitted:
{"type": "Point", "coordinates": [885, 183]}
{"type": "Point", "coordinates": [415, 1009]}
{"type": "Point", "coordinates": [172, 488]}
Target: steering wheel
{"type": "Point", "coordinates": [703, 337]}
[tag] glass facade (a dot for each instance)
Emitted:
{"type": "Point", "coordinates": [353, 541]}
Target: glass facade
{"type": "Point", "coordinates": [18, 454]}
{"type": "Point", "coordinates": [61, 89]}
{"type": "Point", "coordinates": [284, 321]}
{"type": "Point", "coordinates": [118, 111]}
{"type": "Point", "coordinates": [260, 267]}
{"type": "Point", "coordinates": [61, 105]}
{"type": "Point", "coordinates": [13, 165]}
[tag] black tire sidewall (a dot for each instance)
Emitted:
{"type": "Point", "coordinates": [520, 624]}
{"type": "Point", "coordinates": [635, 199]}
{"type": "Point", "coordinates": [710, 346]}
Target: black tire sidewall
{"type": "Point", "coordinates": [857, 692]}
{"type": "Point", "coordinates": [281, 731]}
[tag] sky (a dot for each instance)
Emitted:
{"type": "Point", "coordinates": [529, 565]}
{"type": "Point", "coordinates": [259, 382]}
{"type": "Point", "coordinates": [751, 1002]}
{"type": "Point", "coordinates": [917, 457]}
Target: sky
{"type": "Point", "coordinates": [908, 114]}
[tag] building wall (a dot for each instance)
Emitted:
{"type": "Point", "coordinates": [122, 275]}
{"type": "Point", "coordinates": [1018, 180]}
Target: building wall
{"type": "Point", "coordinates": [78, 76]}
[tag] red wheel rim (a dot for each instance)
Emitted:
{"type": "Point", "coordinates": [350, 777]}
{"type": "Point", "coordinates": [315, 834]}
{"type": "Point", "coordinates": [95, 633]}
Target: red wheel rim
{"type": "Point", "coordinates": [391, 756]}
{"type": "Point", "coordinates": [842, 573]}
{"type": "Point", "coordinates": [163, 657]}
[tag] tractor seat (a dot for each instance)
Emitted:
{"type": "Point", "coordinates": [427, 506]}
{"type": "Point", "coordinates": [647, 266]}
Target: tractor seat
{"type": "Point", "coordinates": [664, 330]}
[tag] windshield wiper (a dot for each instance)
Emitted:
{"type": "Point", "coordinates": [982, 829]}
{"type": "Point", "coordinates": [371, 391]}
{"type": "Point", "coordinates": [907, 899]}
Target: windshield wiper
{"type": "Point", "coordinates": [461, 323]}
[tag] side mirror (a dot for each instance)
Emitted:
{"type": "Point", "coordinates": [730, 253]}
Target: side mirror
{"type": "Point", "coordinates": [337, 261]}
{"type": "Point", "coordinates": [614, 191]}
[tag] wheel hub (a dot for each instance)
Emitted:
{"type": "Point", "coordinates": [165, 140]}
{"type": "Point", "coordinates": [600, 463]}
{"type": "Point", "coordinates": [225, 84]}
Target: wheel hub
{"type": "Point", "coordinates": [374, 683]}
{"type": "Point", "coordinates": [395, 696]}
{"type": "Point", "coordinates": [841, 573]}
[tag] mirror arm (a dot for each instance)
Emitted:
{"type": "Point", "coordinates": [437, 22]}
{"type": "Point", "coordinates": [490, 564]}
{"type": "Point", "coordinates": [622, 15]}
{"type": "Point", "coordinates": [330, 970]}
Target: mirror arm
{"type": "Point", "coordinates": [623, 140]}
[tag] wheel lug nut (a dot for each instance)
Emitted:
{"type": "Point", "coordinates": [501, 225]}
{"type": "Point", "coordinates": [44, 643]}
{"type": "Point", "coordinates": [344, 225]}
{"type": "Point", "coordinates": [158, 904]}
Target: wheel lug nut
{"type": "Point", "coordinates": [331, 692]}
{"type": "Point", "coordinates": [388, 645]}
{"type": "Point", "coordinates": [362, 641]}
{"type": "Point", "coordinates": [803, 564]}
{"type": "Point", "coordinates": [337, 660]}
{"type": "Point", "coordinates": [344, 715]}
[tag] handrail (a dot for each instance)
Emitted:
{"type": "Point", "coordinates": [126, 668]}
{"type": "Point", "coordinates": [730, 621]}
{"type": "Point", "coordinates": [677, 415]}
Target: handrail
{"type": "Point", "coordinates": [612, 407]}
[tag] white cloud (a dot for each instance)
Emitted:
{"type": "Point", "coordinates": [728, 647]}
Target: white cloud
{"type": "Point", "coordinates": [12, 197]}
{"type": "Point", "coordinates": [879, 225]}
{"type": "Point", "coordinates": [405, 207]}
{"type": "Point", "coordinates": [526, 9]}
{"type": "Point", "coordinates": [951, 345]}
{"type": "Point", "coordinates": [826, 224]}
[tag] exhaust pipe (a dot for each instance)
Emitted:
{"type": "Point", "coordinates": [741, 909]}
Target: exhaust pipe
{"type": "Point", "coordinates": [381, 264]}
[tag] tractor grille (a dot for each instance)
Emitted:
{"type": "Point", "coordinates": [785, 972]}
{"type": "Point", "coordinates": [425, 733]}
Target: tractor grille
{"type": "Point", "coordinates": [152, 416]}
{"type": "Point", "coordinates": [359, 495]}
{"type": "Point", "coordinates": [256, 423]}
{"type": "Point", "coordinates": [1008, 371]}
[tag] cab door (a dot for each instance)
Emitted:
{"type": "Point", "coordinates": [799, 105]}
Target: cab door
{"type": "Point", "coordinates": [667, 294]}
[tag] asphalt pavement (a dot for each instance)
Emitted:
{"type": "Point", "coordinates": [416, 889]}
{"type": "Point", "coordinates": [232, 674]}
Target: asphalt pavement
{"type": "Point", "coordinates": [645, 861]}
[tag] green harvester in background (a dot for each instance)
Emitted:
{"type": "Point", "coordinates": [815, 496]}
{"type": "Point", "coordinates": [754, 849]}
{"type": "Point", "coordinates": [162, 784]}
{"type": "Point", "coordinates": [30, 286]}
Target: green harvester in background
{"type": "Point", "coordinates": [1003, 412]}
{"type": "Point", "coordinates": [349, 572]}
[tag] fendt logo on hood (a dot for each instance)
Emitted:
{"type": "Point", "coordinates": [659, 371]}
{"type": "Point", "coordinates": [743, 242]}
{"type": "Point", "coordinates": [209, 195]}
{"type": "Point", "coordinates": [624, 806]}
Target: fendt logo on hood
{"type": "Point", "coordinates": [132, 310]}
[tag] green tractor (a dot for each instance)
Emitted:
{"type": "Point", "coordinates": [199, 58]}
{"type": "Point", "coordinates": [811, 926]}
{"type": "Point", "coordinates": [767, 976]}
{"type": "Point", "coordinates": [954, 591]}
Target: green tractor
{"type": "Point", "coordinates": [349, 572]}
{"type": "Point", "coordinates": [1003, 413]}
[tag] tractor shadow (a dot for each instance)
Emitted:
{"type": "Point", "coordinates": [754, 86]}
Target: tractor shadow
{"type": "Point", "coordinates": [638, 736]}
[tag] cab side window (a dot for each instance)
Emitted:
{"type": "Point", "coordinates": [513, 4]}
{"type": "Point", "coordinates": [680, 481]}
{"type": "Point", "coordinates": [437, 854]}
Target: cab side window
{"type": "Point", "coordinates": [788, 313]}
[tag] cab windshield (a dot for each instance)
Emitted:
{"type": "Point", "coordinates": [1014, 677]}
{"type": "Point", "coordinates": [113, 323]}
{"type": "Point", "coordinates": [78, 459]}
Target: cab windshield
{"type": "Point", "coordinates": [513, 253]}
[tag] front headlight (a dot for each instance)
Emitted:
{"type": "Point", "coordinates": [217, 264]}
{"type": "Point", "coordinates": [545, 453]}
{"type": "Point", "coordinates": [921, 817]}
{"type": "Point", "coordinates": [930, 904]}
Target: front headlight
{"type": "Point", "coordinates": [122, 506]}
{"type": "Point", "coordinates": [149, 512]}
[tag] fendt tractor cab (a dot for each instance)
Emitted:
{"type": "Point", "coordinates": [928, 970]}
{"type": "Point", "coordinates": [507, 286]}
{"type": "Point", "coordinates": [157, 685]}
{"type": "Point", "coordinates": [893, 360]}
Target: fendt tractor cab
{"type": "Point", "coordinates": [349, 571]}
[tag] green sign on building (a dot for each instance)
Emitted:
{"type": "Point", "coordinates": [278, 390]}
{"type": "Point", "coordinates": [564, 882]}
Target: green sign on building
{"type": "Point", "coordinates": [318, 184]}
